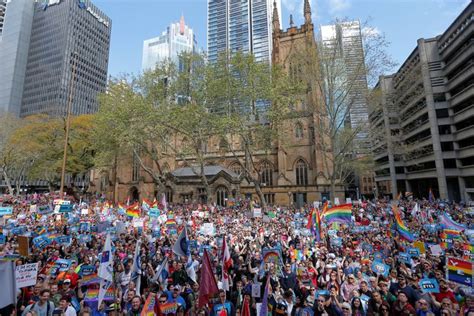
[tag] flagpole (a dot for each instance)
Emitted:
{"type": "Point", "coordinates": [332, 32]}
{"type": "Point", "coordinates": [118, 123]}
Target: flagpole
{"type": "Point", "coordinates": [68, 123]}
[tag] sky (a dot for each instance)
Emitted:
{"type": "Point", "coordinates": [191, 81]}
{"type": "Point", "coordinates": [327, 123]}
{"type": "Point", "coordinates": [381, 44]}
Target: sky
{"type": "Point", "coordinates": [401, 21]}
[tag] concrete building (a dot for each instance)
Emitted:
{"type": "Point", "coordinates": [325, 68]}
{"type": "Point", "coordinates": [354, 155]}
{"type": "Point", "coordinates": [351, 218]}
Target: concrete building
{"type": "Point", "coordinates": [424, 129]}
{"type": "Point", "coordinates": [177, 39]}
{"type": "Point", "coordinates": [66, 35]}
{"type": "Point", "coordinates": [16, 18]}
{"type": "Point", "coordinates": [244, 26]}
{"type": "Point", "coordinates": [292, 172]}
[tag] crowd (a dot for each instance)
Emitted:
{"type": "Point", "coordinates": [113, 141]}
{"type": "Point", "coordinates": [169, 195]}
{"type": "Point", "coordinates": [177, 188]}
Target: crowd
{"type": "Point", "coordinates": [279, 261]}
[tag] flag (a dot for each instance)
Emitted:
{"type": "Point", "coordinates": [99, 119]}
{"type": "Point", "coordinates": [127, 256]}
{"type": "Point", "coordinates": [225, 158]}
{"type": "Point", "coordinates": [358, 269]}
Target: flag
{"type": "Point", "coordinates": [181, 245]}
{"type": "Point", "coordinates": [137, 267]}
{"type": "Point", "coordinates": [431, 197]}
{"type": "Point", "coordinates": [104, 288]}
{"type": "Point", "coordinates": [459, 271]}
{"type": "Point", "coordinates": [122, 209]}
{"type": "Point", "coordinates": [106, 261]}
{"type": "Point", "coordinates": [190, 270]}
{"type": "Point", "coordinates": [245, 307]}
{"type": "Point", "coordinates": [8, 279]}
{"type": "Point", "coordinates": [146, 205]}
{"type": "Point", "coordinates": [133, 210]}
{"type": "Point", "coordinates": [447, 222]}
{"type": "Point", "coordinates": [207, 282]}
{"type": "Point", "coordinates": [317, 225]}
{"type": "Point", "coordinates": [162, 271]}
{"type": "Point", "coordinates": [226, 265]}
{"type": "Point", "coordinates": [154, 205]}
{"type": "Point", "coordinates": [264, 306]}
{"type": "Point", "coordinates": [163, 203]}
{"type": "Point", "coordinates": [339, 214]}
{"type": "Point", "coordinates": [149, 307]}
{"type": "Point", "coordinates": [415, 210]}
{"type": "Point", "coordinates": [402, 229]}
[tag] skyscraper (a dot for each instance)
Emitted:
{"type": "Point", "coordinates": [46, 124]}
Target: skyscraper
{"type": "Point", "coordinates": [16, 18]}
{"type": "Point", "coordinates": [346, 39]}
{"type": "Point", "coordinates": [240, 25]}
{"type": "Point", "coordinates": [69, 48]}
{"type": "Point", "coordinates": [177, 39]}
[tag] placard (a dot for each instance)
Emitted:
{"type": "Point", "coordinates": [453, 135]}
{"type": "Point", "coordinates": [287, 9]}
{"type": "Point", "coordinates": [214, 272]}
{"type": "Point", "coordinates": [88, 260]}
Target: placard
{"type": "Point", "coordinates": [380, 268]}
{"type": "Point", "coordinates": [85, 211]}
{"type": "Point", "coordinates": [6, 210]}
{"type": "Point", "coordinates": [23, 246]}
{"type": "Point", "coordinates": [26, 275]}
{"type": "Point", "coordinates": [257, 212]}
{"type": "Point", "coordinates": [429, 286]}
{"type": "Point", "coordinates": [65, 208]}
{"type": "Point", "coordinates": [256, 289]}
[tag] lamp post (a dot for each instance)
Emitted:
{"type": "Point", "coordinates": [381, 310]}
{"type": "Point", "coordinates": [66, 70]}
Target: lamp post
{"type": "Point", "coordinates": [68, 123]}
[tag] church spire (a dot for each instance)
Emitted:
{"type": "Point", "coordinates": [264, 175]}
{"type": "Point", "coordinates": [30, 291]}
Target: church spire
{"type": "Point", "coordinates": [276, 19]}
{"type": "Point", "coordinates": [307, 12]}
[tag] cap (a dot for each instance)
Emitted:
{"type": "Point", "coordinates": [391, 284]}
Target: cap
{"type": "Point", "coordinates": [346, 305]}
{"type": "Point", "coordinates": [177, 288]}
{"type": "Point", "coordinates": [67, 281]}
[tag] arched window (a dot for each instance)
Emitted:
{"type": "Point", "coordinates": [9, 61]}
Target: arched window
{"type": "Point", "coordinates": [299, 130]}
{"type": "Point", "coordinates": [221, 196]}
{"type": "Point", "coordinates": [236, 168]}
{"type": "Point", "coordinates": [301, 172]}
{"type": "Point", "coordinates": [266, 173]}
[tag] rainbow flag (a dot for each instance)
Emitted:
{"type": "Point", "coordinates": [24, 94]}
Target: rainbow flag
{"type": "Point", "coordinates": [149, 307]}
{"type": "Point", "coordinates": [146, 204]}
{"type": "Point", "coordinates": [402, 229]}
{"type": "Point", "coordinates": [170, 222]}
{"type": "Point", "coordinates": [339, 214]}
{"type": "Point", "coordinates": [133, 210]}
{"type": "Point", "coordinates": [168, 308]}
{"type": "Point", "coordinates": [468, 251]}
{"type": "Point", "coordinates": [121, 208]}
{"type": "Point", "coordinates": [92, 295]}
{"type": "Point", "coordinates": [451, 234]}
{"type": "Point", "coordinates": [459, 271]}
{"type": "Point", "coordinates": [89, 279]}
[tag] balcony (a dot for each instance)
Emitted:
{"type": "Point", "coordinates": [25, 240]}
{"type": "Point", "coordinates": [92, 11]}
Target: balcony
{"type": "Point", "coordinates": [461, 96]}
{"type": "Point", "coordinates": [461, 37]}
{"type": "Point", "coordinates": [422, 174]}
{"type": "Point", "coordinates": [465, 152]}
{"type": "Point", "coordinates": [409, 116]}
{"type": "Point", "coordinates": [464, 114]}
{"type": "Point", "coordinates": [464, 133]}
{"type": "Point", "coordinates": [416, 129]}
{"type": "Point", "coordinates": [462, 56]}
{"type": "Point", "coordinates": [460, 77]}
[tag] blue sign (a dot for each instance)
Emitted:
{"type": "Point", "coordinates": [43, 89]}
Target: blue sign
{"type": "Point", "coordinates": [84, 238]}
{"type": "Point", "coordinates": [84, 227]}
{"type": "Point", "coordinates": [404, 257]}
{"type": "Point", "coordinates": [414, 252]}
{"type": "Point", "coordinates": [153, 212]}
{"type": "Point", "coordinates": [44, 210]}
{"type": "Point", "coordinates": [63, 240]}
{"type": "Point", "coordinates": [63, 264]}
{"type": "Point", "coordinates": [6, 210]}
{"type": "Point", "coordinates": [380, 268]}
{"type": "Point", "coordinates": [3, 239]}
{"type": "Point", "coordinates": [41, 241]}
{"type": "Point", "coordinates": [429, 286]}
{"type": "Point", "coordinates": [65, 208]}
{"type": "Point", "coordinates": [18, 230]}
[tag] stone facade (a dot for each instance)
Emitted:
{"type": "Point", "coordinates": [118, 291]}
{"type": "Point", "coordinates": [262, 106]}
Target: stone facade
{"type": "Point", "coordinates": [292, 173]}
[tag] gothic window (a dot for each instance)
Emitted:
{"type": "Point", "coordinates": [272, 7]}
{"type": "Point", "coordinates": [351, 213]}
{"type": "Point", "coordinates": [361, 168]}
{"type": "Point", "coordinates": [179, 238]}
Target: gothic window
{"type": "Point", "coordinates": [301, 172]}
{"type": "Point", "coordinates": [266, 174]}
{"type": "Point", "coordinates": [135, 168]}
{"type": "Point", "coordinates": [221, 196]}
{"type": "Point", "coordinates": [299, 130]}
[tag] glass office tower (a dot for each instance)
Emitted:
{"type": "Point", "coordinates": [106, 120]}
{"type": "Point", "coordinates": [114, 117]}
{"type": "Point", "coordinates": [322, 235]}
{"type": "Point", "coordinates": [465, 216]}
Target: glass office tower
{"type": "Point", "coordinates": [240, 25]}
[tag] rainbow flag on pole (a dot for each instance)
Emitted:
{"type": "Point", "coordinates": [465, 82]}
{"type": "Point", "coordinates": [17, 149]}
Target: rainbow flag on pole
{"type": "Point", "coordinates": [402, 229]}
{"type": "Point", "coordinates": [133, 210]}
{"type": "Point", "coordinates": [459, 271]}
{"type": "Point", "coordinates": [149, 307]}
{"type": "Point", "coordinates": [339, 214]}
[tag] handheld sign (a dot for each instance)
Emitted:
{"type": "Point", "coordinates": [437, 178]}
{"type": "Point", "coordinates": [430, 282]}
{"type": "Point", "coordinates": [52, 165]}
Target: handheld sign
{"type": "Point", "coordinates": [380, 268]}
{"type": "Point", "coordinates": [429, 286]}
{"type": "Point", "coordinates": [6, 210]}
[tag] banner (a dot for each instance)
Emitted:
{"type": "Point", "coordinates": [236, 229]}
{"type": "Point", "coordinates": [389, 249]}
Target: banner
{"type": "Point", "coordinates": [26, 274]}
{"type": "Point", "coordinates": [429, 285]}
{"type": "Point", "coordinates": [153, 212]}
{"type": "Point", "coordinates": [459, 271]}
{"type": "Point", "coordinates": [414, 252]}
{"type": "Point", "coordinates": [6, 210]}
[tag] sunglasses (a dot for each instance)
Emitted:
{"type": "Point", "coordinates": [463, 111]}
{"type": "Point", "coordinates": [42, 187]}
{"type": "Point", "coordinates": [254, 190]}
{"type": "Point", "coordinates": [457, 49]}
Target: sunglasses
{"type": "Point", "coordinates": [345, 309]}
{"type": "Point", "coordinates": [162, 302]}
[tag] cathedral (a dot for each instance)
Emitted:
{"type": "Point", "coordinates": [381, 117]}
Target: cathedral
{"type": "Point", "coordinates": [293, 173]}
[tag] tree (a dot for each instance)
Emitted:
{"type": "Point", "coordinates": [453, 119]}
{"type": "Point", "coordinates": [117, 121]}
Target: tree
{"type": "Point", "coordinates": [342, 70]}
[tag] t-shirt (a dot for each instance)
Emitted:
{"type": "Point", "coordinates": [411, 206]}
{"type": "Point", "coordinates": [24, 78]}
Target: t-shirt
{"type": "Point", "coordinates": [40, 310]}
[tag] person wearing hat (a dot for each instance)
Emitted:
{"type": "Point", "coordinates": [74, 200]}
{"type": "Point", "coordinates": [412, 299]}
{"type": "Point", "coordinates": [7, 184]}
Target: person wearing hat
{"type": "Point", "coordinates": [174, 296]}
{"type": "Point", "coordinates": [402, 305]}
{"type": "Point", "coordinates": [346, 309]}
{"type": "Point", "coordinates": [44, 307]}
{"type": "Point", "coordinates": [66, 289]}
{"type": "Point", "coordinates": [402, 285]}
{"type": "Point", "coordinates": [348, 287]}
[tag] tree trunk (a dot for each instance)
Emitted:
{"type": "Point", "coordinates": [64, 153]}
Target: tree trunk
{"type": "Point", "coordinates": [8, 182]}
{"type": "Point", "coordinates": [260, 195]}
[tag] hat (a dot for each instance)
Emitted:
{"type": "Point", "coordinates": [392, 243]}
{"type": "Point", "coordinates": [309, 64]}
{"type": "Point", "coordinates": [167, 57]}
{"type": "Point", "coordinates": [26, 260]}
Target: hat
{"type": "Point", "coordinates": [346, 305]}
{"type": "Point", "coordinates": [67, 281]}
{"type": "Point", "coordinates": [177, 288]}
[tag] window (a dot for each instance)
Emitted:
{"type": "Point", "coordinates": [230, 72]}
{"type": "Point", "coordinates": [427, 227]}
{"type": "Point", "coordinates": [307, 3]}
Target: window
{"type": "Point", "coordinates": [135, 168]}
{"type": "Point", "coordinates": [221, 196]}
{"type": "Point", "coordinates": [266, 174]}
{"type": "Point", "coordinates": [298, 130]}
{"type": "Point", "coordinates": [269, 198]}
{"type": "Point", "coordinates": [301, 173]}
{"type": "Point", "coordinates": [169, 195]}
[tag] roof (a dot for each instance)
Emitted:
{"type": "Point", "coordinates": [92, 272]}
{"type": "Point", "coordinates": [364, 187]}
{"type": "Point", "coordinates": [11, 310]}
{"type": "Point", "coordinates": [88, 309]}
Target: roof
{"type": "Point", "coordinates": [209, 171]}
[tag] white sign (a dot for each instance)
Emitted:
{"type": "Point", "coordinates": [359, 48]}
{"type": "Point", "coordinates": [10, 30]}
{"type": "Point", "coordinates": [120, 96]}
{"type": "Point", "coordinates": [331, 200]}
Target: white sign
{"type": "Point", "coordinates": [257, 212]}
{"type": "Point", "coordinates": [138, 222]}
{"type": "Point", "coordinates": [26, 275]}
{"type": "Point", "coordinates": [33, 208]}
{"type": "Point", "coordinates": [348, 201]}
{"type": "Point", "coordinates": [256, 289]}
{"type": "Point", "coordinates": [208, 229]}
{"type": "Point", "coordinates": [336, 201]}
{"type": "Point", "coordinates": [97, 16]}
{"type": "Point", "coordinates": [85, 211]}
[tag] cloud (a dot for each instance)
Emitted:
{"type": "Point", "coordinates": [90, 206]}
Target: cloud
{"type": "Point", "coordinates": [296, 7]}
{"type": "Point", "coordinates": [290, 5]}
{"type": "Point", "coordinates": [336, 6]}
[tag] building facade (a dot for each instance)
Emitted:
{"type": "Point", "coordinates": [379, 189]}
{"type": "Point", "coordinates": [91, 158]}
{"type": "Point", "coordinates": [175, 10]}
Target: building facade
{"type": "Point", "coordinates": [16, 18]}
{"type": "Point", "coordinates": [244, 26]}
{"type": "Point", "coordinates": [177, 39]}
{"type": "Point", "coordinates": [291, 173]}
{"type": "Point", "coordinates": [68, 58]}
{"type": "Point", "coordinates": [427, 118]}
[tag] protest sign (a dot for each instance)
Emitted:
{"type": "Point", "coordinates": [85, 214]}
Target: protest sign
{"type": "Point", "coordinates": [3, 239]}
{"type": "Point", "coordinates": [86, 270]}
{"type": "Point", "coordinates": [429, 286]}
{"type": "Point", "coordinates": [257, 212]}
{"type": "Point", "coordinates": [436, 250]}
{"type": "Point", "coordinates": [41, 241]}
{"type": "Point", "coordinates": [84, 211]}
{"type": "Point", "coordinates": [65, 208]}
{"type": "Point", "coordinates": [6, 210]}
{"type": "Point", "coordinates": [26, 275]}
{"type": "Point", "coordinates": [208, 229]}
{"type": "Point", "coordinates": [63, 240]}
{"type": "Point", "coordinates": [414, 252]}
{"type": "Point", "coordinates": [420, 245]}
{"type": "Point", "coordinates": [404, 257]}
{"type": "Point", "coordinates": [256, 289]}
{"type": "Point", "coordinates": [380, 268]}
{"type": "Point", "coordinates": [23, 246]}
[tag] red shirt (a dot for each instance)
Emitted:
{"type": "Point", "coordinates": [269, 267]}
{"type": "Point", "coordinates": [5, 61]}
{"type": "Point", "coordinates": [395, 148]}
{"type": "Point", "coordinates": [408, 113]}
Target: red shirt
{"type": "Point", "coordinates": [448, 294]}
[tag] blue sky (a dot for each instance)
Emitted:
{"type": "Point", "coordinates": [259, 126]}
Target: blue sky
{"type": "Point", "coordinates": [402, 22]}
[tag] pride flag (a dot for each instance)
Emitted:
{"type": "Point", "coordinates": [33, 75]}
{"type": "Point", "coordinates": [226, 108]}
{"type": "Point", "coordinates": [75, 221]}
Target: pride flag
{"type": "Point", "coordinates": [150, 304]}
{"type": "Point", "coordinates": [402, 229]}
{"type": "Point", "coordinates": [447, 222]}
{"type": "Point", "coordinates": [121, 208]}
{"type": "Point", "coordinates": [92, 295]}
{"type": "Point", "coordinates": [146, 205]}
{"type": "Point", "coordinates": [339, 214]}
{"type": "Point", "coordinates": [133, 211]}
{"type": "Point", "coordinates": [459, 271]}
